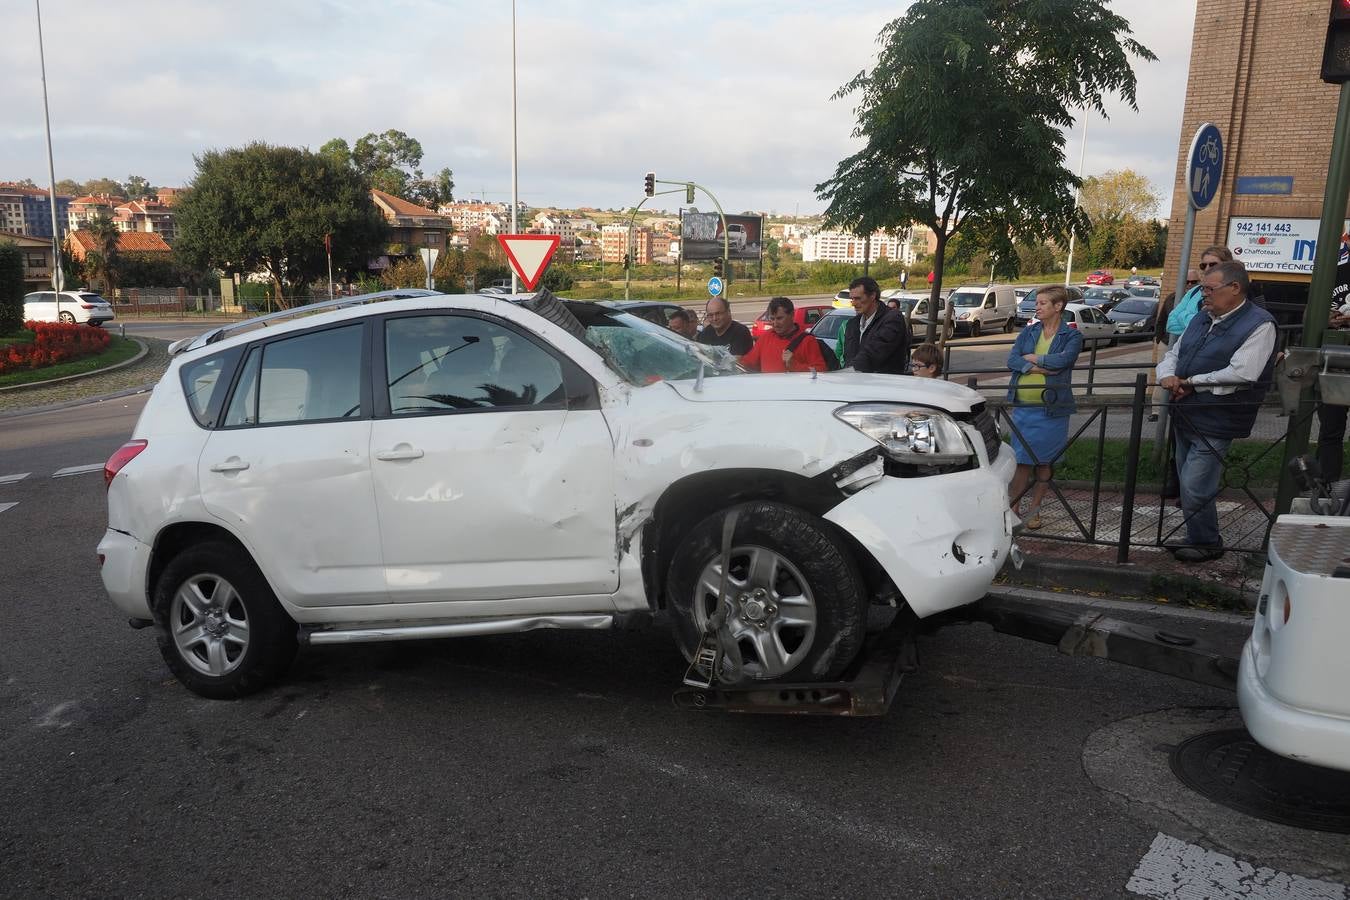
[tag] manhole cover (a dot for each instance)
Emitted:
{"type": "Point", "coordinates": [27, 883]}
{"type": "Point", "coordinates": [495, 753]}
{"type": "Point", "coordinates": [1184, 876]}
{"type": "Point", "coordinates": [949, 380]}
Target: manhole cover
{"type": "Point", "coordinates": [1230, 768]}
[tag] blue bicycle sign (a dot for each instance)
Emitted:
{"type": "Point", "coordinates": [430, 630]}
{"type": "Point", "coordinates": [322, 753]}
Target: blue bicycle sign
{"type": "Point", "coordinates": [1204, 166]}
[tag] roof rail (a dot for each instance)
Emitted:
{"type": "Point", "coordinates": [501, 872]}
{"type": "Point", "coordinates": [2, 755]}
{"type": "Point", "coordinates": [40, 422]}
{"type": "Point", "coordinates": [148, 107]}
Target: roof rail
{"type": "Point", "coordinates": [210, 337]}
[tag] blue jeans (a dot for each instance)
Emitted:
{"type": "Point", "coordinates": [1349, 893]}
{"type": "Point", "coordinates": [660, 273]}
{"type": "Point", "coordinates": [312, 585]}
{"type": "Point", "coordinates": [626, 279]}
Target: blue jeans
{"type": "Point", "coordinates": [1199, 469]}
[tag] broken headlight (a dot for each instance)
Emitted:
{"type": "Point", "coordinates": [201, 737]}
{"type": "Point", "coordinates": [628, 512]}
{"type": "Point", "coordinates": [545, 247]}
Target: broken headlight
{"type": "Point", "coordinates": [912, 435]}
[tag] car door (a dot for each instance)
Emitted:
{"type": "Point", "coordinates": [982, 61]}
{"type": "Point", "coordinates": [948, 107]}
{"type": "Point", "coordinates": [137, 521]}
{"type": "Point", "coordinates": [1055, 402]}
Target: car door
{"type": "Point", "coordinates": [493, 465]}
{"type": "Point", "coordinates": [39, 307]}
{"type": "Point", "coordinates": [288, 468]}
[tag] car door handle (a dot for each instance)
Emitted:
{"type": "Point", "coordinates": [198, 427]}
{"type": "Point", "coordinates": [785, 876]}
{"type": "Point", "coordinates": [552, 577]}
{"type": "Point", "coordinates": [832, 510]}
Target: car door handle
{"type": "Point", "coordinates": [233, 464]}
{"type": "Point", "coordinates": [402, 451]}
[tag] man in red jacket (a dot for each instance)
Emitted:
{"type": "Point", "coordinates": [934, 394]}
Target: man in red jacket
{"type": "Point", "coordinates": [788, 347]}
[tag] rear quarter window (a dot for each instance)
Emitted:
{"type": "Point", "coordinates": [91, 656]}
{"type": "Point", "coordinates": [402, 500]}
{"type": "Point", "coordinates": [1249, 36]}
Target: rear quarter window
{"type": "Point", "coordinates": [205, 381]}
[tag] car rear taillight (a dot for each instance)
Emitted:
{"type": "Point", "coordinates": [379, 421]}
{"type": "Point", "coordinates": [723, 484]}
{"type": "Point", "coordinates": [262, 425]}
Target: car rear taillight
{"type": "Point", "coordinates": [1073, 324]}
{"type": "Point", "coordinates": [86, 306]}
{"type": "Point", "coordinates": [125, 454]}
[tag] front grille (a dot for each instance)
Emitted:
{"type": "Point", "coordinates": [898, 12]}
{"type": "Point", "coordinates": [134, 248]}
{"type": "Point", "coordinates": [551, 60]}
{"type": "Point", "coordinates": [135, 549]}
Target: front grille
{"type": "Point", "coordinates": [983, 419]}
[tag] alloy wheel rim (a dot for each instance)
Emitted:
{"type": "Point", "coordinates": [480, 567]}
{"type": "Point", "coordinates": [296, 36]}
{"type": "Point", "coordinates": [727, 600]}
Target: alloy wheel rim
{"type": "Point", "coordinates": [771, 611]}
{"type": "Point", "coordinates": [209, 624]}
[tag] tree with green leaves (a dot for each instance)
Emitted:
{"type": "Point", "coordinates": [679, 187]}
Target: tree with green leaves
{"type": "Point", "coordinates": [104, 260]}
{"type": "Point", "coordinates": [137, 187]}
{"type": "Point", "coordinates": [1121, 206]}
{"type": "Point", "coordinates": [268, 208]}
{"type": "Point", "coordinates": [962, 118]}
{"type": "Point", "coordinates": [104, 186]}
{"type": "Point", "coordinates": [391, 162]}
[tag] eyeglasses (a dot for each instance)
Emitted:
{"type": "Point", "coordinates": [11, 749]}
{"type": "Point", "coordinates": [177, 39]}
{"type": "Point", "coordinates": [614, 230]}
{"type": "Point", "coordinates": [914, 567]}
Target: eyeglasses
{"type": "Point", "coordinates": [1205, 265]}
{"type": "Point", "coordinates": [1207, 289]}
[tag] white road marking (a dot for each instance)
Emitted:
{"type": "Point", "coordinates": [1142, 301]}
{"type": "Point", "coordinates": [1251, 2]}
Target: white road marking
{"type": "Point", "coordinates": [1173, 868]}
{"type": "Point", "coordinates": [77, 470]}
{"type": "Point", "coordinates": [10, 479]}
{"type": "Point", "coordinates": [5, 506]}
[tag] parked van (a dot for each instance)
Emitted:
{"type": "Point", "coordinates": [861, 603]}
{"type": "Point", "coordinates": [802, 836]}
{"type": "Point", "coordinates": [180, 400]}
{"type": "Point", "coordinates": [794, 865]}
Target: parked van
{"type": "Point", "coordinates": [982, 309]}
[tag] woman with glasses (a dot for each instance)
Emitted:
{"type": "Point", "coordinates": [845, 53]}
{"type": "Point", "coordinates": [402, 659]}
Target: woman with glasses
{"type": "Point", "coordinates": [1041, 392]}
{"type": "Point", "coordinates": [1189, 304]}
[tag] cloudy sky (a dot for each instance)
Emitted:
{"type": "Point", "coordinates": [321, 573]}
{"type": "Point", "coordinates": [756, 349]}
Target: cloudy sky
{"type": "Point", "coordinates": [734, 96]}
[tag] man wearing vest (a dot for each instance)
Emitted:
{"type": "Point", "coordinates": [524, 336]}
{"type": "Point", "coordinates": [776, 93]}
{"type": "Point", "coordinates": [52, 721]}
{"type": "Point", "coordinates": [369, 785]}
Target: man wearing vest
{"type": "Point", "coordinates": [1217, 372]}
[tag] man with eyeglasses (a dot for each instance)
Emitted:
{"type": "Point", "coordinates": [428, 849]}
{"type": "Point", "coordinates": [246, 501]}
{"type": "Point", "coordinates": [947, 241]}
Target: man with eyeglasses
{"type": "Point", "coordinates": [1217, 372]}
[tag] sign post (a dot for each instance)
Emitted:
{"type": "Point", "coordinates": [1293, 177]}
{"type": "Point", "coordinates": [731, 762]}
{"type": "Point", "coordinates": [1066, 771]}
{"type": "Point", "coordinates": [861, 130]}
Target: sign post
{"type": "Point", "coordinates": [429, 255]}
{"type": "Point", "coordinates": [529, 254]}
{"type": "Point", "coordinates": [1204, 169]}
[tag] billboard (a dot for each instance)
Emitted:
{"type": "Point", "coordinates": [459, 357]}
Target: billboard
{"type": "Point", "coordinates": [701, 235]}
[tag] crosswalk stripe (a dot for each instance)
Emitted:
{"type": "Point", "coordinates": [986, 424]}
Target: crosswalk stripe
{"type": "Point", "coordinates": [77, 470]}
{"type": "Point", "coordinates": [5, 506]}
{"type": "Point", "coordinates": [10, 479]}
{"type": "Point", "coordinates": [1173, 868]}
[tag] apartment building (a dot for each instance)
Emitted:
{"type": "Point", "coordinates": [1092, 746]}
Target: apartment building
{"type": "Point", "coordinates": [146, 217]}
{"type": "Point", "coordinates": [37, 259]}
{"type": "Point", "coordinates": [613, 242]}
{"type": "Point", "coordinates": [26, 210]}
{"type": "Point", "coordinates": [840, 246]}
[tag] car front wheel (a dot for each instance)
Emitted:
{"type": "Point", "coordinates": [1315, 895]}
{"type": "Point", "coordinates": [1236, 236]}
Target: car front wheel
{"type": "Point", "coordinates": [68, 318]}
{"type": "Point", "coordinates": [795, 603]}
{"type": "Point", "coordinates": [219, 626]}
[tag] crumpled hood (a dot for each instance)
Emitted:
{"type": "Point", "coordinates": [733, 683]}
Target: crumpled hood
{"type": "Point", "coordinates": [839, 387]}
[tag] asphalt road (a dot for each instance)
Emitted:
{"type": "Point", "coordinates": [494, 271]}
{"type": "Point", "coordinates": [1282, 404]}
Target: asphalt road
{"type": "Point", "coordinates": [554, 764]}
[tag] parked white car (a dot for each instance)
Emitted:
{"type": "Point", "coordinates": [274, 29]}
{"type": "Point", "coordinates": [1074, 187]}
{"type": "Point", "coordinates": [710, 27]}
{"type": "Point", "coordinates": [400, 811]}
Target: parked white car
{"type": "Point", "coordinates": [1092, 322]}
{"type": "Point", "coordinates": [465, 465]}
{"type": "Point", "coordinates": [75, 307]}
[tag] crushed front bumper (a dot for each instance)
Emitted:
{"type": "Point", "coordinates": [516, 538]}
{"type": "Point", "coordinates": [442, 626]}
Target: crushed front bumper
{"type": "Point", "coordinates": [942, 539]}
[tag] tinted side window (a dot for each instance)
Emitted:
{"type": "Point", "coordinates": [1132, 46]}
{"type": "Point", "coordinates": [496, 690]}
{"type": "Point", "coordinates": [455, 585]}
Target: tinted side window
{"type": "Point", "coordinates": [203, 385]}
{"type": "Point", "coordinates": [308, 378]}
{"type": "Point", "coordinates": [444, 363]}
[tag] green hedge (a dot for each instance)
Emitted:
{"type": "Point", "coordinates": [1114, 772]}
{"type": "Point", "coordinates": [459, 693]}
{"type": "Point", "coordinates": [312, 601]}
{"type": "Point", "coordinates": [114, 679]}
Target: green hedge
{"type": "Point", "coordinates": [11, 288]}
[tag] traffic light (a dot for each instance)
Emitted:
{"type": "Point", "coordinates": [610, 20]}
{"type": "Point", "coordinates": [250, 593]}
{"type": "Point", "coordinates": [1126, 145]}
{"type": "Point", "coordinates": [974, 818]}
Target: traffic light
{"type": "Point", "coordinates": [627, 261]}
{"type": "Point", "coordinates": [1336, 52]}
{"type": "Point", "coordinates": [689, 195]}
{"type": "Point", "coordinates": [650, 184]}
{"type": "Point", "coordinates": [718, 267]}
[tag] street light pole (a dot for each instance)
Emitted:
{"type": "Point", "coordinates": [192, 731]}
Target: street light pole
{"type": "Point", "coordinates": [58, 277]}
{"type": "Point", "coordinates": [1082, 156]}
{"type": "Point", "coordinates": [515, 202]}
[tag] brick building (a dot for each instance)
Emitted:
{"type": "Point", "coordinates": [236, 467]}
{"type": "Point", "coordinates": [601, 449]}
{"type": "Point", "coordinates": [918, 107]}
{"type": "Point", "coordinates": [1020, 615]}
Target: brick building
{"type": "Point", "coordinates": [614, 237]}
{"type": "Point", "coordinates": [1254, 73]}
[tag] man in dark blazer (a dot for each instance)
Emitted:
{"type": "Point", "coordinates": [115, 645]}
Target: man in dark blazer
{"type": "Point", "coordinates": [877, 338]}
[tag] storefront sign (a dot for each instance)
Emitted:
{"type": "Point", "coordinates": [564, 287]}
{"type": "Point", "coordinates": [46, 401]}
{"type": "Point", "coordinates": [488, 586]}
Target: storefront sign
{"type": "Point", "coordinates": [1274, 245]}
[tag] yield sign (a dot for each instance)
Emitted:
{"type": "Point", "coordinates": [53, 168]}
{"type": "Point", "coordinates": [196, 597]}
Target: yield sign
{"type": "Point", "coordinates": [529, 254]}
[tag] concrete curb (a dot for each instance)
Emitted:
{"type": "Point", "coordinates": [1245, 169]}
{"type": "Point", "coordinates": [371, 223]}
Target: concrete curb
{"type": "Point", "coordinates": [83, 401]}
{"type": "Point", "coordinates": [20, 388]}
{"type": "Point", "coordinates": [1129, 581]}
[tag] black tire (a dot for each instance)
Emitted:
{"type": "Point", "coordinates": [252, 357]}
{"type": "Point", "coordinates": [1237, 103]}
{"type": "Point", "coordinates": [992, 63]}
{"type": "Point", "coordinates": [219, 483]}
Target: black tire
{"type": "Point", "coordinates": [1009, 325]}
{"type": "Point", "coordinates": [975, 329]}
{"type": "Point", "coordinates": [551, 308]}
{"type": "Point", "coordinates": [818, 555]}
{"type": "Point", "coordinates": [68, 318]}
{"type": "Point", "coordinates": [269, 644]}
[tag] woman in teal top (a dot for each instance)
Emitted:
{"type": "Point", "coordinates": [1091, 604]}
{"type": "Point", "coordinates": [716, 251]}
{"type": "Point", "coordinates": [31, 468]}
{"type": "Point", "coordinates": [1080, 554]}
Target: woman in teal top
{"type": "Point", "coordinates": [1189, 304]}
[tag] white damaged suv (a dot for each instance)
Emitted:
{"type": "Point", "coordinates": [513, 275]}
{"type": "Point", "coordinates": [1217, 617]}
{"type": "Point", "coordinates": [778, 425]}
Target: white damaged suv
{"type": "Point", "coordinates": [435, 466]}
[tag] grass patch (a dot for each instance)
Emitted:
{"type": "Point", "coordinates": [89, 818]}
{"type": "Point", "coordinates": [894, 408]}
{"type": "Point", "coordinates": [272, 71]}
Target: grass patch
{"type": "Point", "coordinates": [119, 350]}
{"type": "Point", "coordinates": [1258, 461]}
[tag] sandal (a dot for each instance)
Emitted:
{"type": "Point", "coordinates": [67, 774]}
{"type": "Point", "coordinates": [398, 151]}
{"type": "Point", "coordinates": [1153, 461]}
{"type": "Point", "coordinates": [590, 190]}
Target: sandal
{"type": "Point", "coordinates": [1034, 522]}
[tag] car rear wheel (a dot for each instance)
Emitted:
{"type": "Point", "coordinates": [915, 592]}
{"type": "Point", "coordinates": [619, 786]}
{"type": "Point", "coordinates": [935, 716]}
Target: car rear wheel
{"type": "Point", "coordinates": [794, 600]}
{"type": "Point", "coordinates": [219, 626]}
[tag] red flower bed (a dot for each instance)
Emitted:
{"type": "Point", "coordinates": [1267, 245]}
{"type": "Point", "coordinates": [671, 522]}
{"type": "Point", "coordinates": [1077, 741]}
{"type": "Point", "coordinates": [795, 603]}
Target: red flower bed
{"type": "Point", "coordinates": [53, 342]}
